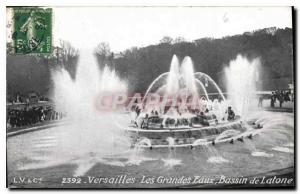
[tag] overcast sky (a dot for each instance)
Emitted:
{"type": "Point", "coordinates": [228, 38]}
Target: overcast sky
{"type": "Point", "coordinates": [125, 27]}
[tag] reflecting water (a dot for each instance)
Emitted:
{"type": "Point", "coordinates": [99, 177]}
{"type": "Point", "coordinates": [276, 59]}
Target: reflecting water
{"type": "Point", "coordinates": [43, 152]}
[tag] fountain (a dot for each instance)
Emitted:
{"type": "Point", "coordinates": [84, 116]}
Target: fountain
{"type": "Point", "coordinates": [170, 126]}
{"type": "Point", "coordinates": [187, 110]}
{"type": "Point", "coordinates": [77, 99]}
{"type": "Point", "coordinates": [171, 161]}
{"type": "Point", "coordinates": [173, 144]}
{"type": "Point", "coordinates": [241, 77]}
{"type": "Point", "coordinates": [136, 157]}
{"type": "Point", "coordinates": [181, 80]}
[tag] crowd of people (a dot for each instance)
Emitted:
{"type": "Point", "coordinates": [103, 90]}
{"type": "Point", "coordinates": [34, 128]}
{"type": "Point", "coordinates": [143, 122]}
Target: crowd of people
{"type": "Point", "coordinates": [19, 98]}
{"type": "Point", "coordinates": [31, 115]}
{"type": "Point", "coordinates": [281, 96]}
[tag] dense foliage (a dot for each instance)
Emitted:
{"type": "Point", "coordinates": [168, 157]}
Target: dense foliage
{"type": "Point", "coordinates": [140, 66]}
{"type": "Point", "coordinates": [273, 46]}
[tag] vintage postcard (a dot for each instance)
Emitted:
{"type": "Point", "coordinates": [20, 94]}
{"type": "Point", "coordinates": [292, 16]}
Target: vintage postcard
{"type": "Point", "coordinates": [150, 97]}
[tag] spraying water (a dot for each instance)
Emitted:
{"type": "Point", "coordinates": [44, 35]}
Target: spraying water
{"type": "Point", "coordinates": [194, 88]}
{"type": "Point", "coordinates": [213, 156]}
{"type": "Point", "coordinates": [187, 70]}
{"type": "Point", "coordinates": [77, 97]}
{"type": "Point", "coordinates": [172, 85]}
{"type": "Point", "coordinates": [82, 141]}
{"type": "Point", "coordinates": [241, 77]}
{"type": "Point", "coordinates": [136, 157]}
{"type": "Point", "coordinates": [171, 161]}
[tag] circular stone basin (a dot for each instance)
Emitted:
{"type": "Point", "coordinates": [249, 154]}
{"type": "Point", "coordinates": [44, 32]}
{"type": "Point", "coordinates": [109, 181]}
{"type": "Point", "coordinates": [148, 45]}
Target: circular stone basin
{"type": "Point", "coordinates": [184, 136]}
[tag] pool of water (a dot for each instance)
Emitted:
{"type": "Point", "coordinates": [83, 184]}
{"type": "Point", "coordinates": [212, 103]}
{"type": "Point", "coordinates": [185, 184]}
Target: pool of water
{"type": "Point", "coordinates": [85, 151]}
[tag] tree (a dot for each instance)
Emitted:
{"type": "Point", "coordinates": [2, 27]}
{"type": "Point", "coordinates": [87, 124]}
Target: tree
{"type": "Point", "coordinates": [103, 49]}
{"type": "Point", "coordinates": [103, 53]}
{"type": "Point", "coordinates": [179, 40]}
{"type": "Point", "coordinates": [140, 66]}
{"type": "Point", "coordinates": [166, 40]}
{"type": "Point", "coordinates": [67, 51]}
{"type": "Point", "coordinates": [67, 57]}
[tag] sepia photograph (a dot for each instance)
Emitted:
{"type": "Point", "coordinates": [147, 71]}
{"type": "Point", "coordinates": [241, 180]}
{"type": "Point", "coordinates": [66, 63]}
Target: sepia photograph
{"type": "Point", "coordinates": [141, 97]}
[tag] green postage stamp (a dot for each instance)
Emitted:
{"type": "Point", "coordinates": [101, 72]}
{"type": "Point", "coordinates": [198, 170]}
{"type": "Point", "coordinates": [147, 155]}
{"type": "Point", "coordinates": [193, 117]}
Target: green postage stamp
{"type": "Point", "coordinates": [32, 30]}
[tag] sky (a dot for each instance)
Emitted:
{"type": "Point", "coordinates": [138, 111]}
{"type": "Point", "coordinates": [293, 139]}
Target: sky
{"type": "Point", "coordinates": [126, 27]}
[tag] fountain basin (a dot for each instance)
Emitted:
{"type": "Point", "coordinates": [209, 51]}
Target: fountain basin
{"type": "Point", "coordinates": [183, 136]}
{"type": "Point", "coordinates": [210, 141]}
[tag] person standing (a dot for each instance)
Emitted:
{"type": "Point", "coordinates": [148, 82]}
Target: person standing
{"type": "Point", "coordinates": [273, 98]}
{"type": "Point", "coordinates": [260, 101]}
{"type": "Point", "coordinates": [280, 99]}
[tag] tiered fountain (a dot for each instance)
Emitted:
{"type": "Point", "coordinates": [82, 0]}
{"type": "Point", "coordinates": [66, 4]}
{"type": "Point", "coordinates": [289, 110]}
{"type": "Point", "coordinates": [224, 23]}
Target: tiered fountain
{"type": "Point", "coordinates": [192, 107]}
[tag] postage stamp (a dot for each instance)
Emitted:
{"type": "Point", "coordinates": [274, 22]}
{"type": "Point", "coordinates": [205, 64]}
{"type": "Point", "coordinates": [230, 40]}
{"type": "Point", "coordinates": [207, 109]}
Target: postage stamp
{"type": "Point", "coordinates": [32, 30]}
